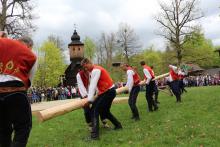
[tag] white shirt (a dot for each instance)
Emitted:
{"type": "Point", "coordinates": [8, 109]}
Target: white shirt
{"type": "Point", "coordinates": [130, 80]}
{"type": "Point", "coordinates": [181, 73]}
{"type": "Point", "coordinates": [148, 75]}
{"type": "Point", "coordinates": [73, 90]}
{"type": "Point", "coordinates": [81, 86]}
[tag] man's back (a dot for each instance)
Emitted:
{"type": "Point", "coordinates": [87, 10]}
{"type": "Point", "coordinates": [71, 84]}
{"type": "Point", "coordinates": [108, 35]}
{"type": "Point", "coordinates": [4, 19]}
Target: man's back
{"type": "Point", "coordinates": [16, 59]}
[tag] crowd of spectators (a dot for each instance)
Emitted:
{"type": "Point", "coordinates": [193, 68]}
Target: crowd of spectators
{"type": "Point", "coordinates": [39, 94]}
{"type": "Point", "coordinates": [193, 81]}
{"type": "Point", "coordinates": [202, 80]}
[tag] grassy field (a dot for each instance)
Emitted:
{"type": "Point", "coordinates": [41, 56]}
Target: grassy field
{"type": "Point", "coordinates": [193, 123]}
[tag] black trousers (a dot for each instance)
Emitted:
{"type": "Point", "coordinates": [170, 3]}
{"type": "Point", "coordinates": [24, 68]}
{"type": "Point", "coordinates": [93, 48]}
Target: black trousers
{"type": "Point", "coordinates": [15, 115]}
{"type": "Point", "coordinates": [156, 93]}
{"type": "Point", "coordinates": [182, 86]}
{"type": "Point", "coordinates": [101, 106]}
{"type": "Point", "coordinates": [149, 96]}
{"type": "Point", "coordinates": [132, 101]}
{"type": "Point", "coordinates": [174, 85]}
{"type": "Point", "coordinates": [88, 117]}
{"type": "Point", "coordinates": [87, 114]}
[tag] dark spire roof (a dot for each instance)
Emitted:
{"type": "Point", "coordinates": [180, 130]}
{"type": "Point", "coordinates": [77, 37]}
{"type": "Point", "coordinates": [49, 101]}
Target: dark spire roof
{"type": "Point", "coordinates": [75, 39]}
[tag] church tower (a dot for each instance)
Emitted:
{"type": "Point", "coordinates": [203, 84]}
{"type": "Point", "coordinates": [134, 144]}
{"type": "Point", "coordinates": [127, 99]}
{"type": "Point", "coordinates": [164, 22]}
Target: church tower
{"type": "Point", "coordinates": [76, 52]}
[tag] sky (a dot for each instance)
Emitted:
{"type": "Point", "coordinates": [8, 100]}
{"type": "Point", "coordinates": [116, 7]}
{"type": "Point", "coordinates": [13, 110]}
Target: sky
{"type": "Point", "coordinates": [92, 17]}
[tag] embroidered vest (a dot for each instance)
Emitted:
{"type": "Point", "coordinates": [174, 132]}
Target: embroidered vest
{"type": "Point", "coordinates": [16, 60]}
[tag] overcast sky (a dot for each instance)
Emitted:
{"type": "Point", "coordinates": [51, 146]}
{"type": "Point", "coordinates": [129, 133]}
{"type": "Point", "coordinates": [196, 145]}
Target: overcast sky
{"type": "Point", "coordinates": [93, 17]}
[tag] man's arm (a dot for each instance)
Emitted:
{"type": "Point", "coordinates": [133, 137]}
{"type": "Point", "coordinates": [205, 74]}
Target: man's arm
{"type": "Point", "coordinates": [95, 75]}
{"type": "Point", "coordinates": [148, 75]}
{"type": "Point", "coordinates": [82, 89]}
{"type": "Point", "coordinates": [130, 80]}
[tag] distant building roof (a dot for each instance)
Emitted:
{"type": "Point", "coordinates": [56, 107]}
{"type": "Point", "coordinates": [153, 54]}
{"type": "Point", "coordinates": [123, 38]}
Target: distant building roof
{"type": "Point", "coordinates": [195, 69]}
{"type": "Point", "coordinates": [213, 71]}
{"type": "Point", "coordinates": [75, 39]}
{"type": "Point", "coordinates": [218, 50]}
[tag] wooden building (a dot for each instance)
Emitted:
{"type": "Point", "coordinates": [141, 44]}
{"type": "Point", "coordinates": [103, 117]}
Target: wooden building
{"type": "Point", "coordinates": [76, 51]}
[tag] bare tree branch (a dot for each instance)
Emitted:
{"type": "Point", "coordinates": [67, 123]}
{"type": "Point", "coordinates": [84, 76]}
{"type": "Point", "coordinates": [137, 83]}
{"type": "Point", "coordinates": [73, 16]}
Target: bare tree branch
{"type": "Point", "coordinates": [176, 21]}
{"type": "Point", "coordinates": [18, 22]}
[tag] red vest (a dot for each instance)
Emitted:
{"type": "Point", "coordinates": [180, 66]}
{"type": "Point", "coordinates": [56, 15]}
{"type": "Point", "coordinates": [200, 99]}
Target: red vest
{"type": "Point", "coordinates": [85, 78]}
{"type": "Point", "coordinates": [16, 60]}
{"type": "Point", "coordinates": [105, 82]}
{"type": "Point", "coordinates": [174, 75]}
{"type": "Point", "coordinates": [136, 77]}
{"type": "Point", "coordinates": [150, 71]}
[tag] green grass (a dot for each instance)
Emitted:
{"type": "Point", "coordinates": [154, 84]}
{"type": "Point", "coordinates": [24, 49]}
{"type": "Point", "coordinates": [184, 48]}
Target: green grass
{"type": "Point", "coordinates": [194, 122]}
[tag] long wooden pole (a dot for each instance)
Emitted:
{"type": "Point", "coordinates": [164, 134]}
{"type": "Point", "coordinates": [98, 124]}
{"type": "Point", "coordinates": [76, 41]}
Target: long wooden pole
{"type": "Point", "coordinates": [65, 108]}
{"type": "Point", "coordinates": [156, 78]}
{"type": "Point", "coordinates": [55, 111]}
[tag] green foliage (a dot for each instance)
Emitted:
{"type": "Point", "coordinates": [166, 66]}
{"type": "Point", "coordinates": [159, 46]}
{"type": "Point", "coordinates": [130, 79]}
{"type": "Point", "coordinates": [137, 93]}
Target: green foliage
{"type": "Point", "coordinates": [50, 65]}
{"type": "Point", "coordinates": [168, 57]}
{"type": "Point", "coordinates": [216, 57]}
{"type": "Point", "coordinates": [89, 48]}
{"type": "Point", "coordinates": [198, 49]}
{"type": "Point", "coordinates": [192, 123]}
{"type": "Point", "coordinates": [151, 57]}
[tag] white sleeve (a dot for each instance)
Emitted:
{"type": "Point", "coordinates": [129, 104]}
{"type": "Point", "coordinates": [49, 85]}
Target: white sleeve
{"type": "Point", "coordinates": [181, 73]}
{"type": "Point", "coordinates": [95, 75]}
{"type": "Point", "coordinates": [174, 68]}
{"type": "Point", "coordinates": [148, 75]}
{"type": "Point", "coordinates": [33, 70]}
{"type": "Point", "coordinates": [130, 80]}
{"type": "Point", "coordinates": [82, 89]}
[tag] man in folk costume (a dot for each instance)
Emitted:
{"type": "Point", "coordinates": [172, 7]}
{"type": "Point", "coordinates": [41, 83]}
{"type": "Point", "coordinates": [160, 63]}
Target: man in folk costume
{"type": "Point", "coordinates": [17, 67]}
{"type": "Point", "coordinates": [100, 80]}
{"type": "Point", "coordinates": [133, 80]}
{"type": "Point", "coordinates": [150, 85]}
{"type": "Point", "coordinates": [82, 78]}
{"type": "Point", "coordinates": [173, 80]}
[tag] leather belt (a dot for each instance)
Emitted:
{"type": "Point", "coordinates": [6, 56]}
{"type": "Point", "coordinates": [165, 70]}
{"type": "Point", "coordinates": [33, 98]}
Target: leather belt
{"type": "Point", "coordinates": [11, 89]}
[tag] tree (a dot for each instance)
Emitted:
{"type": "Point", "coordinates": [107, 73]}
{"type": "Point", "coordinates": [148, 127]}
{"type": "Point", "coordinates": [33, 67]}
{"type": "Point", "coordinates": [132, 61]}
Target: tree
{"type": "Point", "coordinates": [50, 65]}
{"type": "Point", "coordinates": [90, 48]}
{"type": "Point", "coordinates": [99, 54]}
{"type": "Point", "coordinates": [197, 49]}
{"type": "Point", "coordinates": [216, 57]}
{"type": "Point", "coordinates": [16, 17]}
{"type": "Point", "coordinates": [151, 57]}
{"type": "Point", "coordinates": [107, 47]}
{"type": "Point", "coordinates": [57, 41]}
{"type": "Point", "coordinates": [168, 57]}
{"type": "Point", "coordinates": [128, 41]}
{"type": "Point", "coordinates": [176, 20]}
